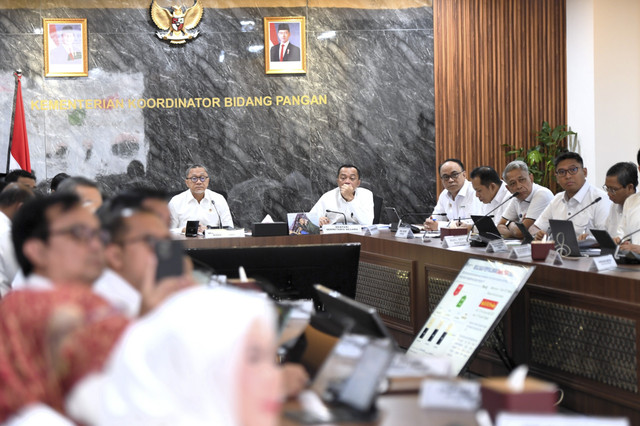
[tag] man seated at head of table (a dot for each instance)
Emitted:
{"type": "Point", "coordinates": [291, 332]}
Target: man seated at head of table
{"type": "Point", "coordinates": [491, 191]}
{"type": "Point", "coordinates": [457, 202]}
{"type": "Point", "coordinates": [630, 222]}
{"type": "Point", "coordinates": [577, 200]}
{"type": "Point", "coordinates": [530, 202]}
{"type": "Point", "coordinates": [199, 203]}
{"type": "Point", "coordinates": [354, 204]}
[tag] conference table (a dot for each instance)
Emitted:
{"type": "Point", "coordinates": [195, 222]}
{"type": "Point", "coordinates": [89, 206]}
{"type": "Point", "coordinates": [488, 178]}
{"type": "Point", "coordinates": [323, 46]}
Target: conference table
{"type": "Point", "coordinates": [571, 325]}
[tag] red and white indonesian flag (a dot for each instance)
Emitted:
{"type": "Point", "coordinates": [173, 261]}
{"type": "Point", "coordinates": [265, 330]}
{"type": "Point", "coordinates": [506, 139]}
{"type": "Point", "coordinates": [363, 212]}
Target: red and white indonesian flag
{"type": "Point", "coordinates": [19, 146]}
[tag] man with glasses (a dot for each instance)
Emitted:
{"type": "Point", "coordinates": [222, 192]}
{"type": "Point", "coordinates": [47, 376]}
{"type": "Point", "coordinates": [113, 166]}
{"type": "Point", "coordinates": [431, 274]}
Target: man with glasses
{"type": "Point", "coordinates": [128, 282]}
{"type": "Point", "coordinates": [578, 194]}
{"type": "Point", "coordinates": [528, 205]}
{"type": "Point", "coordinates": [57, 241]}
{"type": "Point", "coordinates": [620, 184]}
{"type": "Point", "coordinates": [491, 191]}
{"type": "Point", "coordinates": [199, 203]}
{"type": "Point", "coordinates": [630, 222]}
{"type": "Point", "coordinates": [457, 202]}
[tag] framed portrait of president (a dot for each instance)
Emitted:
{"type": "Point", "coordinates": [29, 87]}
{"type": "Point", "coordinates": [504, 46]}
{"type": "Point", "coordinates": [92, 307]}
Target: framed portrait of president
{"type": "Point", "coordinates": [285, 50]}
{"type": "Point", "coordinates": [65, 47]}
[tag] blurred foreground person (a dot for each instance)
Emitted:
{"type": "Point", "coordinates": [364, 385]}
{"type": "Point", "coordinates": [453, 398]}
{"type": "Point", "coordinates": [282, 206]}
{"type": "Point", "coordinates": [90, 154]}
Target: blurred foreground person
{"type": "Point", "coordinates": [206, 356]}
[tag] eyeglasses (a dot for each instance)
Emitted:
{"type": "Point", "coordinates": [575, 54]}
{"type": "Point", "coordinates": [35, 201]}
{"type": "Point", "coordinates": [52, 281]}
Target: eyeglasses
{"type": "Point", "coordinates": [453, 176]}
{"type": "Point", "coordinates": [82, 234]}
{"type": "Point", "coordinates": [572, 171]}
{"type": "Point", "coordinates": [195, 179]}
{"type": "Point", "coordinates": [610, 190]}
{"type": "Point", "coordinates": [149, 240]}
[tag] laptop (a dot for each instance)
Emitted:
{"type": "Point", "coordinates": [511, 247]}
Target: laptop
{"type": "Point", "coordinates": [567, 245]}
{"type": "Point", "coordinates": [348, 383]}
{"type": "Point", "coordinates": [527, 237]}
{"type": "Point", "coordinates": [487, 230]}
{"type": "Point", "coordinates": [609, 246]}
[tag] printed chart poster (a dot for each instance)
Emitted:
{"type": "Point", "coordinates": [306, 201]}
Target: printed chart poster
{"type": "Point", "coordinates": [473, 305]}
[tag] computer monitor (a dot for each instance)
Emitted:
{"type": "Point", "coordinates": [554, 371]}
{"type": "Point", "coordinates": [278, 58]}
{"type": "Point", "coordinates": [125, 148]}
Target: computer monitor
{"type": "Point", "coordinates": [357, 317]}
{"type": "Point", "coordinates": [291, 270]}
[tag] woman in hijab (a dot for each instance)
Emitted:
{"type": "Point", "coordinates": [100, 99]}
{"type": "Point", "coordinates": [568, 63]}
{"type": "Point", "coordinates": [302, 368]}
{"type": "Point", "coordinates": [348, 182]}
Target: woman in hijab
{"type": "Point", "coordinates": [206, 356]}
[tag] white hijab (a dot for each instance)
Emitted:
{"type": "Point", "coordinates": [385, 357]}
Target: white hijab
{"type": "Point", "coordinates": [177, 366]}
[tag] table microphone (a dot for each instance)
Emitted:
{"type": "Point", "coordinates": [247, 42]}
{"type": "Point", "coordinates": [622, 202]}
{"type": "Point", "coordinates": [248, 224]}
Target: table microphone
{"type": "Point", "coordinates": [345, 216]}
{"type": "Point", "coordinates": [622, 240]}
{"type": "Point", "coordinates": [515, 194]}
{"type": "Point", "coordinates": [585, 207]}
{"type": "Point", "coordinates": [218, 213]}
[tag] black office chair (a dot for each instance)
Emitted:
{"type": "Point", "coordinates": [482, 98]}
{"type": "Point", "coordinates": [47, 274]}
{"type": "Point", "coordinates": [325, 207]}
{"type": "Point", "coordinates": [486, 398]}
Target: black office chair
{"type": "Point", "coordinates": [377, 209]}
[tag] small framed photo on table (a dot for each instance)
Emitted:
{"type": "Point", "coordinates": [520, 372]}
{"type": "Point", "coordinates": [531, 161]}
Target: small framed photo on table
{"type": "Point", "coordinates": [285, 50]}
{"type": "Point", "coordinates": [65, 48]}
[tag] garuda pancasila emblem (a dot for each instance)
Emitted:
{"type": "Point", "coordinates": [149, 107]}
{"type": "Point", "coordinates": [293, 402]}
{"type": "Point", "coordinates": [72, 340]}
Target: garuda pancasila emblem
{"type": "Point", "coordinates": [176, 21]}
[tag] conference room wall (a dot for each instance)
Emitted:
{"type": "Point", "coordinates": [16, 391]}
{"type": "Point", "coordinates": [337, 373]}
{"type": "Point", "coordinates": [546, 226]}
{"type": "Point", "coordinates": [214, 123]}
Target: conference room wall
{"type": "Point", "coordinates": [373, 64]}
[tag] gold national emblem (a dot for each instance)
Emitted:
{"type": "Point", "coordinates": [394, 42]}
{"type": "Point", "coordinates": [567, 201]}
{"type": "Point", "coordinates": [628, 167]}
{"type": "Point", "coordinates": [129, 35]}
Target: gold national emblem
{"type": "Point", "coordinates": [176, 22]}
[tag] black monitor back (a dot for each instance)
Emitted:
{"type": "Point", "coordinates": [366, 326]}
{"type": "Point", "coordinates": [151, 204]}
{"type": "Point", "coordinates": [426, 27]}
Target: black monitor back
{"type": "Point", "coordinates": [292, 270]}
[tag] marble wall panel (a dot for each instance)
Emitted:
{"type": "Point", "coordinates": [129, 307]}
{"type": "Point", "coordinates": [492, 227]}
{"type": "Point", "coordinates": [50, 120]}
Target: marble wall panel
{"type": "Point", "coordinates": [375, 68]}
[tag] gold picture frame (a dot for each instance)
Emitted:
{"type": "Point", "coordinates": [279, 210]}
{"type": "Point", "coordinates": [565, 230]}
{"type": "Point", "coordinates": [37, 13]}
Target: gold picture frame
{"type": "Point", "coordinates": [65, 47]}
{"type": "Point", "coordinates": [285, 57]}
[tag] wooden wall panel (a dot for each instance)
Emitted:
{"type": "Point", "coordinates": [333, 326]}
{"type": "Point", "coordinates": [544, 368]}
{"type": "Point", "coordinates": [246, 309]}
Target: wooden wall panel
{"type": "Point", "coordinates": [500, 70]}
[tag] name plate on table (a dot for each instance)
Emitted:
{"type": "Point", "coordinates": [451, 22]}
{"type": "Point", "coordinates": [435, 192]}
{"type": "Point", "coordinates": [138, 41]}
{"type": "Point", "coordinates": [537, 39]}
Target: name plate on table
{"type": "Point", "coordinates": [224, 233]}
{"type": "Point", "coordinates": [497, 246]}
{"type": "Point", "coordinates": [520, 252]}
{"type": "Point", "coordinates": [341, 229]}
{"type": "Point", "coordinates": [602, 263]}
{"type": "Point", "coordinates": [517, 419]}
{"type": "Point", "coordinates": [450, 394]}
{"type": "Point", "coordinates": [371, 230]}
{"type": "Point", "coordinates": [554, 258]}
{"type": "Point", "coordinates": [455, 241]}
{"type": "Point", "coordinates": [404, 233]}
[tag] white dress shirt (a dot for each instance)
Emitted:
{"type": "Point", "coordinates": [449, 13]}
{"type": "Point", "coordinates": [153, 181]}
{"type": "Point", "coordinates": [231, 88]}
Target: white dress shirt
{"type": "Point", "coordinates": [358, 211]}
{"type": "Point", "coordinates": [185, 207]}
{"type": "Point", "coordinates": [8, 262]}
{"type": "Point", "coordinates": [501, 196]}
{"type": "Point", "coordinates": [594, 216]}
{"type": "Point", "coordinates": [462, 207]}
{"type": "Point", "coordinates": [118, 292]}
{"type": "Point", "coordinates": [630, 220]}
{"type": "Point", "coordinates": [529, 208]}
{"type": "Point", "coordinates": [614, 219]}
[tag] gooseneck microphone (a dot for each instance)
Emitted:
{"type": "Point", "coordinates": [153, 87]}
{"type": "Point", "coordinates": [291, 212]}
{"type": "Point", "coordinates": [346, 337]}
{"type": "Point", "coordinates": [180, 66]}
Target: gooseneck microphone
{"type": "Point", "coordinates": [515, 194]}
{"type": "Point", "coordinates": [218, 213]}
{"type": "Point", "coordinates": [344, 215]}
{"type": "Point", "coordinates": [622, 240]}
{"type": "Point", "coordinates": [585, 207]}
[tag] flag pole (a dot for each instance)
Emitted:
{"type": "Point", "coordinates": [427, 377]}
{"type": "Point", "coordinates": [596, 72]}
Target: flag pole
{"type": "Point", "coordinates": [17, 76]}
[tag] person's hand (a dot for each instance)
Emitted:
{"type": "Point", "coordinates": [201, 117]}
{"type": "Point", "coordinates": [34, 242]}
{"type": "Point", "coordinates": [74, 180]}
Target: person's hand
{"type": "Point", "coordinates": [324, 221]}
{"type": "Point", "coordinates": [430, 224]}
{"type": "Point", "coordinates": [583, 237]}
{"type": "Point", "coordinates": [348, 192]}
{"type": "Point", "coordinates": [540, 235]}
{"type": "Point", "coordinates": [295, 379]}
{"type": "Point", "coordinates": [617, 240]}
{"type": "Point", "coordinates": [154, 293]}
{"type": "Point", "coordinates": [504, 230]}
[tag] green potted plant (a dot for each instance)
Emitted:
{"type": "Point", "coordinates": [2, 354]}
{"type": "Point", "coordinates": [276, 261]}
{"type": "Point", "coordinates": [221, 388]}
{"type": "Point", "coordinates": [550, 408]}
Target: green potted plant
{"type": "Point", "coordinates": [540, 157]}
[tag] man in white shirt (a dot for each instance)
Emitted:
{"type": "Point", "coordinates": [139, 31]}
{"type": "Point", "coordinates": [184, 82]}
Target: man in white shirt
{"type": "Point", "coordinates": [529, 204]}
{"type": "Point", "coordinates": [199, 203]}
{"type": "Point", "coordinates": [348, 202]}
{"type": "Point", "coordinates": [131, 261]}
{"type": "Point", "coordinates": [11, 199]}
{"type": "Point", "coordinates": [629, 227]}
{"type": "Point", "coordinates": [577, 202]}
{"type": "Point", "coordinates": [457, 201]}
{"type": "Point", "coordinates": [621, 183]}
{"type": "Point", "coordinates": [491, 191]}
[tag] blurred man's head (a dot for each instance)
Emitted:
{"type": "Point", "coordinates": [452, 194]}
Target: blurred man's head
{"type": "Point", "coordinates": [87, 189]}
{"type": "Point", "coordinates": [22, 177]}
{"type": "Point", "coordinates": [55, 237]}
{"type": "Point", "coordinates": [12, 197]}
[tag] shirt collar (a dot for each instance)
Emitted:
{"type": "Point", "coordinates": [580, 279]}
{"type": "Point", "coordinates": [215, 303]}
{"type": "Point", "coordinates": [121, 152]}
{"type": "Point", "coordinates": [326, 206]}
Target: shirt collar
{"type": "Point", "coordinates": [579, 197]}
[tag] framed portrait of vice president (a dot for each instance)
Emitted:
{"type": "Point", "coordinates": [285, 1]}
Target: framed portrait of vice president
{"type": "Point", "coordinates": [65, 48]}
{"type": "Point", "coordinates": [285, 50]}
